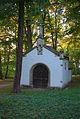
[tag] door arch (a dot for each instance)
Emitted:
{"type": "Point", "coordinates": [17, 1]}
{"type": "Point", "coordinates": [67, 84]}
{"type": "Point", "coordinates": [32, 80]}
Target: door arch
{"type": "Point", "coordinates": [40, 76]}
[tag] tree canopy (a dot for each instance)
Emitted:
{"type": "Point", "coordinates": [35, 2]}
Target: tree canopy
{"type": "Point", "coordinates": [61, 21]}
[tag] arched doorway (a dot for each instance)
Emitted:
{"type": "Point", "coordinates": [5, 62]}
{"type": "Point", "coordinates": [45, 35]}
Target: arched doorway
{"type": "Point", "coordinates": [40, 76]}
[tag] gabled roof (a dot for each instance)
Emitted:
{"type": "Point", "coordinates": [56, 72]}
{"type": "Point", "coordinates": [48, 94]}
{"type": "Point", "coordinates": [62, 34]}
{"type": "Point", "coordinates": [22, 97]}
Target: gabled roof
{"type": "Point", "coordinates": [48, 48]}
{"type": "Point", "coordinates": [52, 50]}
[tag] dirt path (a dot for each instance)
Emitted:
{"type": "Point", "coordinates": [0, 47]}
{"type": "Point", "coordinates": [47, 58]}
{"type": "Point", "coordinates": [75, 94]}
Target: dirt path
{"type": "Point", "coordinates": [5, 84]}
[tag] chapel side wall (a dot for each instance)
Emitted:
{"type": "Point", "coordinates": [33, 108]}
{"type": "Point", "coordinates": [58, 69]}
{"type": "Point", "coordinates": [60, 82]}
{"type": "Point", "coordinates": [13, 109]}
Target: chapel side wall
{"type": "Point", "coordinates": [70, 74]}
{"type": "Point", "coordinates": [65, 72]}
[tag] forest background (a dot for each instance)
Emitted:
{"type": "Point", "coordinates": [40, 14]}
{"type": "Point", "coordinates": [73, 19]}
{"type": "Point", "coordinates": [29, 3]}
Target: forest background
{"type": "Point", "coordinates": [61, 22]}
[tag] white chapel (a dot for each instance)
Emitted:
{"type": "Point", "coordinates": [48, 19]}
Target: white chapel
{"type": "Point", "coordinates": [44, 67]}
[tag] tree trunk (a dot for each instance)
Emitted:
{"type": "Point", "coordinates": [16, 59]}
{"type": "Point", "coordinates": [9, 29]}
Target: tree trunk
{"type": "Point", "coordinates": [56, 29]}
{"type": "Point", "coordinates": [43, 21]}
{"type": "Point", "coordinates": [29, 35]}
{"type": "Point", "coordinates": [7, 67]}
{"type": "Point", "coordinates": [55, 47]}
{"type": "Point", "coordinates": [52, 33]}
{"type": "Point", "coordinates": [19, 48]}
{"type": "Point", "coordinates": [1, 76]}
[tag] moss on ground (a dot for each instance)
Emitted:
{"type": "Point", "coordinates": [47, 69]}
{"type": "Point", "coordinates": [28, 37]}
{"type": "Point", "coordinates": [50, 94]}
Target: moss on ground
{"type": "Point", "coordinates": [40, 103]}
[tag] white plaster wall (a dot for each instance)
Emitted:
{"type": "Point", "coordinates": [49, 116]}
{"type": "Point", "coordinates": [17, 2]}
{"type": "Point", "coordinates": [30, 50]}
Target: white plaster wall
{"type": "Point", "coordinates": [70, 74]}
{"type": "Point", "coordinates": [51, 60]}
{"type": "Point", "coordinates": [65, 72]}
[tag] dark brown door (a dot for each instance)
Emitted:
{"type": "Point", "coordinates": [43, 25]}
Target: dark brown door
{"type": "Point", "coordinates": [40, 76]}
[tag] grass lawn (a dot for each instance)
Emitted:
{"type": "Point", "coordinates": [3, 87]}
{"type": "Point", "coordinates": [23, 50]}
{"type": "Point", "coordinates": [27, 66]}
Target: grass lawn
{"type": "Point", "coordinates": [40, 104]}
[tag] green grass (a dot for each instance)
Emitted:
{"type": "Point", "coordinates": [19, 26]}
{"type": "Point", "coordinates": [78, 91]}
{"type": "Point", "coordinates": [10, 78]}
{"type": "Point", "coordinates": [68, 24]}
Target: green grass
{"type": "Point", "coordinates": [40, 104]}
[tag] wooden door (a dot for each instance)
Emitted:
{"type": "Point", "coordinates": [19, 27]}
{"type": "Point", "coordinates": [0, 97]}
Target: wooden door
{"type": "Point", "coordinates": [40, 76]}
